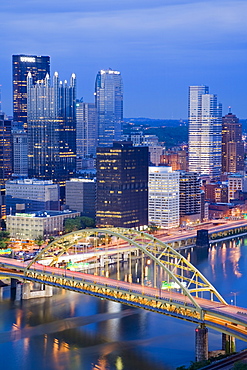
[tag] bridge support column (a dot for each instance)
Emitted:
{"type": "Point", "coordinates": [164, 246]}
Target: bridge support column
{"type": "Point", "coordinates": [201, 343]}
{"type": "Point", "coordinates": [228, 343]}
{"type": "Point", "coordinates": [44, 291]}
{"type": "Point", "coordinates": [202, 239]}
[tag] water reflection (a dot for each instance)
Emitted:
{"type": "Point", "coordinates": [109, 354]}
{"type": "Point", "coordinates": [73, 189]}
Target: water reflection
{"type": "Point", "coordinates": [73, 331]}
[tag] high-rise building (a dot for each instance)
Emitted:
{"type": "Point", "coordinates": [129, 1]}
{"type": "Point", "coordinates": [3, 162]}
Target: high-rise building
{"type": "Point", "coordinates": [31, 195]}
{"type": "Point", "coordinates": [5, 149]}
{"type": "Point", "coordinates": [109, 105]}
{"type": "Point", "coordinates": [20, 153]}
{"type": "Point", "coordinates": [189, 197]}
{"type": "Point", "coordinates": [122, 185]}
{"type": "Point", "coordinates": [205, 125]}
{"type": "Point", "coordinates": [51, 128]}
{"type": "Point", "coordinates": [163, 197]}
{"type": "Point", "coordinates": [232, 144]}
{"type": "Point", "coordinates": [81, 196]}
{"type": "Point", "coordinates": [38, 66]}
{"type": "Point", "coordinates": [86, 129]}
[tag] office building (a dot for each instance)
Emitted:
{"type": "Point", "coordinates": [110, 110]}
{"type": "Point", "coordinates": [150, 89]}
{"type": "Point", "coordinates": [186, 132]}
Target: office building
{"type": "Point", "coordinates": [51, 128]}
{"type": "Point", "coordinates": [205, 126]}
{"type": "Point", "coordinates": [109, 105]}
{"type": "Point", "coordinates": [163, 198]}
{"type": "Point", "coordinates": [235, 184]}
{"type": "Point", "coordinates": [232, 144]}
{"type": "Point", "coordinates": [33, 225]}
{"type": "Point", "coordinates": [189, 197]}
{"type": "Point", "coordinates": [5, 149]}
{"type": "Point", "coordinates": [86, 130]}
{"type": "Point", "coordinates": [22, 64]}
{"type": "Point", "coordinates": [177, 160]}
{"type": "Point", "coordinates": [81, 196]}
{"type": "Point", "coordinates": [20, 153]}
{"type": "Point", "coordinates": [122, 185]}
{"type": "Point", "coordinates": [31, 195]}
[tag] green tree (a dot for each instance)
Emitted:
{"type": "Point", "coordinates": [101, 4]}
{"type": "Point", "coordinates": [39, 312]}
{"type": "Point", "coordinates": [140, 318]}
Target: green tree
{"type": "Point", "coordinates": [39, 240]}
{"type": "Point", "coordinates": [78, 223]}
{"type": "Point", "coordinates": [4, 239]}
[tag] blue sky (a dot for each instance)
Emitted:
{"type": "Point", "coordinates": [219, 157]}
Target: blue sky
{"type": "Point", "coordinates": [160, 46]}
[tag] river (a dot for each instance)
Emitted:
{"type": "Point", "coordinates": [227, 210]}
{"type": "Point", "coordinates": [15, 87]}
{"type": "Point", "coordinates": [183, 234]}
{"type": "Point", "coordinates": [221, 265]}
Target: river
{"type": "Point", "coordinates": [71, 331]}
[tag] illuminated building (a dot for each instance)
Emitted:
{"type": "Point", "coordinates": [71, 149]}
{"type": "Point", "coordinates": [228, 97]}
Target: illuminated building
{"type": "Point", "coordinates": [235, 184]}
{"type": "Point", "coordinates": [20, 153]}
{"type": "Point", "coordinates": [39, 66]}
{"type": "Point", "coordinates": [5, 149]}
{"type": "Point", "coordinates": [33, 225]}
{"type": "Point", "coordinates": [86, 129]}
{"type": "Point", "coordinates": [177, 160]}
{"type": "Point", "coordinates": [232, 144]}
{"type": "Point", "coordinates": [81, 196]}
{"type": "Point", "coordinates": [205, 126]}
{"type": "Point", "coordinates": [122, 185]}
{"type": "Point", "coordinates": [189, 197]}
{"type": "Point", "coordinates": [163, 197]}
{"type": "Point", "coordinates": [109, 105]}
{"type": "Point", "coordinates": [51, 128]}
{"type": "Point", "coordinates": [31, 195]}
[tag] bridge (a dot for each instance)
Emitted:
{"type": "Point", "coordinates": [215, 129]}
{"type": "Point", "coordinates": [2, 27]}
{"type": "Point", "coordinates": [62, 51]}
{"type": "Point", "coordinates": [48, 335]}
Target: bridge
{"type": "Point", "coordinates": [159, 279]}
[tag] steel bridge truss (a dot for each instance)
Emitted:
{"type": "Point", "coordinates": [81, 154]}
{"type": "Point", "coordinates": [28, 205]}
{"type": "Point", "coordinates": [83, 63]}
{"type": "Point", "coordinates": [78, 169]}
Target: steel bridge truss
{"type": "Point", "coordinates": [179, 270]}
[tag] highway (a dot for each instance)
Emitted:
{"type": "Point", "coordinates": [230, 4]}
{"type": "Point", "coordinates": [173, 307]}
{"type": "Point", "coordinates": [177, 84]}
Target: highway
{"type": "Point", "coordinates": [222, 317]}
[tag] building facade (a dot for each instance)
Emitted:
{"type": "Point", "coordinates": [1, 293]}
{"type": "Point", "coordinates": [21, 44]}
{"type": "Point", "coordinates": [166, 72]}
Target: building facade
{"type": "Point", "coordinates": [81, 196]}
{"type": "Point", "coordinates": [109, 105]}
{"type": "Point", "coordinates": [31, 226]}
{"type": "Point", "coordinates": [122, 185]}
{"type": "Point", "coordinates": [20, 153]}
{"type": "Point", "coordinates": [163, 198]}
{"type": "Point", "coordinates": [205, 125]}
{"type": "Point", "coordinates": [39, 66]}
{"type": "Point", "coordinates": [232, 144]}
{"type": "Point", "coordinates": [31, 195]}
{"type": "Point", "coordinates": [86, 129]}
{"type": "Point", "coordinates": [6, 167]}
{"type": "Point", "coordinates": [189, 197]}
{"type": "Point", "coordinates": [51, 128]}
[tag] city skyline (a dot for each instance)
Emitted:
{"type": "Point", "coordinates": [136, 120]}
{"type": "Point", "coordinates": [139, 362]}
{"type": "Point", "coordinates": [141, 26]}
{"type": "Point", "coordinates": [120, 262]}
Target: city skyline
{"type": "Point", "coordinates": [160, 48]}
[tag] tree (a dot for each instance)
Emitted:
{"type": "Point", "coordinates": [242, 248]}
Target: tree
{"type": "Point", "coordinates": [4, 239]}
{"type": "Point", "coordinates": [78, 223]}
{"type": "Point", "coordinates": [39, 240]}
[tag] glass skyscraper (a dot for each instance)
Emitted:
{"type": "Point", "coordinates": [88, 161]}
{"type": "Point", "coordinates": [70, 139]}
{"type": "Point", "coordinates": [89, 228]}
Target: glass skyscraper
{"type": "Point", "coordinates": [109, 105]}
{"type": "Point", "coordinates": [205, 127]}
{"type": "Point", "coordinates": [86, 129]}
{"type": "Point", "coordinates": [51, 128]}
{"type": "Point", "coordinates": [39, 66]}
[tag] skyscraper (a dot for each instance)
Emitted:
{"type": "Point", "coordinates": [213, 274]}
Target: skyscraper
{"type": "Point", "coordinates": [232, 144]}
{"type": "Point", "coordinates": [5, 149]}
{"type": "Point", "coordinates": [122, 185]}
{"type": "Point", "coordinates": [163, 197]}
{"type": "Point", "coordinates": [205, 124]}
{"type": "Point", "coordinates": [51, 128]}
{"type": "Point", "coordinates": [39, 66]}
{"type": "Point", "coordinates": [109, 105]}
{"type": "Point", "coordinates": [86, 129]}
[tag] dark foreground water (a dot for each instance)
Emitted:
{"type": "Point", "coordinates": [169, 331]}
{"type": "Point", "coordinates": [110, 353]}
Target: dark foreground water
{"type": "Point", "coordinates": [74, 331]}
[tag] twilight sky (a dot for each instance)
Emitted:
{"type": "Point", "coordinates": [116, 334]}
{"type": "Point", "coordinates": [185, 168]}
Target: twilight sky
{"type": "Point", "coordinates": [160, 46]}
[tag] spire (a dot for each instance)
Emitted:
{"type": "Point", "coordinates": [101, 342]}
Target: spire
{"type": "Point", "coordinates": [230, 110]}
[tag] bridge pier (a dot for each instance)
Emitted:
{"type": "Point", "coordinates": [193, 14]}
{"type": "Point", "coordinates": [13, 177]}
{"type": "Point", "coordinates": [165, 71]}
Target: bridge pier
{"type": "Point", "coordinates": [201, 343]}
{"type": "Point", "coordinates": [228, 343]}
{"type": "Point", "coordinates": [202, 239]}
{"type": "Point", "coordinates": [44, 291]}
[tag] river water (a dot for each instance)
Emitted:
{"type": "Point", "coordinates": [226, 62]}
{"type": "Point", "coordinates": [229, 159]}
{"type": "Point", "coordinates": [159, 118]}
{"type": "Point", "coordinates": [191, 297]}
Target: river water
{"type": "Point", "coordinates": [72, 331]}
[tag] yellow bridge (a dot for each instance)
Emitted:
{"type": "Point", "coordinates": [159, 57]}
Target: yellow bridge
{"type": "Point", "coordinates": [188, 295]}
